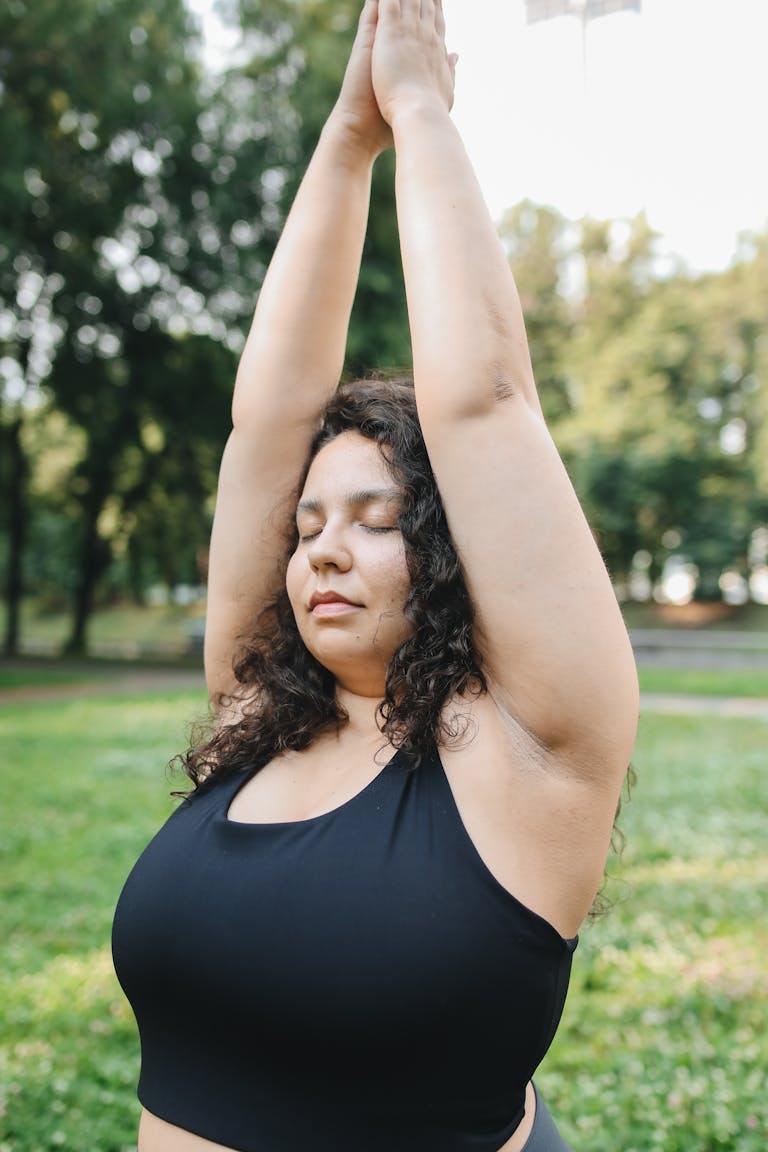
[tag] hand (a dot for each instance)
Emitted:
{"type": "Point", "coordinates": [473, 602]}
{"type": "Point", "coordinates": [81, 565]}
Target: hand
{"type": "Point", "coordinates": [356, 109]}
{"type": "Point", "coordinates": [410, 63]}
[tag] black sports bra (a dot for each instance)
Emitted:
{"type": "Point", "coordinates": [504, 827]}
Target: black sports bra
{"type": "Point", "coordinates": [356, 982]}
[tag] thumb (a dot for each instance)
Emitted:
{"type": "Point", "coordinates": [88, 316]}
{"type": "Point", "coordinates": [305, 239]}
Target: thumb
{"type": "Point", "coordinates": [453, 60]}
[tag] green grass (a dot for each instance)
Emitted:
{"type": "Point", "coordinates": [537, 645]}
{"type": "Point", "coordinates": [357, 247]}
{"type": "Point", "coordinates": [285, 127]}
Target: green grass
{"type": "Point", "coordinates": [125, 629]}
{"type": "Point", "coordinates": [47, 675]}
{"type": "Point", "coordinates": [663, 1044]}
{"type": "Point", "coordinates": [37, 673]}
{"type": "Point", "coordinates": [84, 789]}
{"type": "Point", "coordinates": [706, 681]}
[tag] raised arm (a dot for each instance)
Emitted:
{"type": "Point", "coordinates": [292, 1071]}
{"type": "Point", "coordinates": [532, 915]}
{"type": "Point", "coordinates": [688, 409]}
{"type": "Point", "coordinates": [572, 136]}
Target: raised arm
{"type": "Point", "coordinates": [554, 644]}
{"type": "Point", "coordinates": [291, 362]}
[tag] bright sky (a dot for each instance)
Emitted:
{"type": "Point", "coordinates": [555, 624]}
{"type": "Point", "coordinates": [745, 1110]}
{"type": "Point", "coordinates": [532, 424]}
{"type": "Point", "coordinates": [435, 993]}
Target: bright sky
{"type": "Point", "coordinates": [672, 119]}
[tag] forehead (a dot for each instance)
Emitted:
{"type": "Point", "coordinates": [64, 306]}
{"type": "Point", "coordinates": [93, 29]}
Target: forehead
{"type": "Point", "coordinates": [348, 463]}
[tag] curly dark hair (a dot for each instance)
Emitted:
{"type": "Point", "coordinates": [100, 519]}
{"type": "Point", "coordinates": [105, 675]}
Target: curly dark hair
{"type": "Point", "coordinates": [288, 697]}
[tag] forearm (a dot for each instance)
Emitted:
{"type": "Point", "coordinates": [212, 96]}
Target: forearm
{"type": "Point", "coordinates": [467, 325]}
{"type": "Point", "coordinates": [295, 350]}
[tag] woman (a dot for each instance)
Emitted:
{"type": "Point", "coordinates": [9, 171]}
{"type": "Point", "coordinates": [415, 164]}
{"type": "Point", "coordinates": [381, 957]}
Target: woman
{"type": "Point", "coordinates": [356, 933]}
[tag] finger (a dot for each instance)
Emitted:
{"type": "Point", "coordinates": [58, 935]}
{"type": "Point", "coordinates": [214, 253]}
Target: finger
{"type": "Point", "coordinates": [366, 14]}
{"type": "Point", "coordinates": [389, 9]}
{"type": "Point", "coordinates": [453, 60]}
{"type": "Point", "coordinates": [366, 25]}
{"type": "Point", "coordinates": [440, 19]}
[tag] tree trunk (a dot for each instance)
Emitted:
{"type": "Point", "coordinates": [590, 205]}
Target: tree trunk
{"type": "Point", "coordinates": [18, 471]}
{"type": "Point", "coordinates": [92, 561]}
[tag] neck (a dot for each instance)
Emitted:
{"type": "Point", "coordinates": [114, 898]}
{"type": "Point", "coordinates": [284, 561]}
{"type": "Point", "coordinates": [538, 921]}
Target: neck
{"type": "Point", "coordinates": [361, 710]}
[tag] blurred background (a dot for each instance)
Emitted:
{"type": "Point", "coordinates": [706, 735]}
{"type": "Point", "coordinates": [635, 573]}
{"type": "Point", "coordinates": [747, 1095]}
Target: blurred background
{"type": "Point", "coordinates": [150, 154]}
{"type": "Point", "coordinates": [150, 151]}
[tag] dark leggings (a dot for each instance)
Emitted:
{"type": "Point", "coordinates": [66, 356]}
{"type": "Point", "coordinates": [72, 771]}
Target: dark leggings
{"type": "Point", "coordinates": [544, 1135]}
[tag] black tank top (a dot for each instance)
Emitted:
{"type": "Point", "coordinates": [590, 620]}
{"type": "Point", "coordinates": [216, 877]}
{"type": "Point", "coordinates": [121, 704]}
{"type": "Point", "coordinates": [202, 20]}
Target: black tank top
{"type": "Point", "coordinates": [356, 982]}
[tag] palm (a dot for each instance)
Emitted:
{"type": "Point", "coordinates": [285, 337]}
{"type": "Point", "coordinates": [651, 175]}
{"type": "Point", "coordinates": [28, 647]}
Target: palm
{"type": "Point", "coordinates": [357, 101]}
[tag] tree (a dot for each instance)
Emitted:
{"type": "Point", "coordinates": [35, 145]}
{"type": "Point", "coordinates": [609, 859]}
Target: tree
{"type": "Point", "coordinates": [660, 440]}
{"type": "Point", "coordinates": [120, 238]}
{"type": "Point", "coordinates": [141, 199]}
{"type": "Point", "coordinates": [540, 254]}
{"type": "Point", "coordinates": [144, 198]}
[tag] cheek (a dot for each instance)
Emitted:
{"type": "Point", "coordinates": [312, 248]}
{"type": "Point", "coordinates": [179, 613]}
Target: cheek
{"type": "Point", "coordinates": [395, 578]}
{"type": "Point", "coordinates": [397, 627]}
{"type": "Point", "coordinates": [294, 580]}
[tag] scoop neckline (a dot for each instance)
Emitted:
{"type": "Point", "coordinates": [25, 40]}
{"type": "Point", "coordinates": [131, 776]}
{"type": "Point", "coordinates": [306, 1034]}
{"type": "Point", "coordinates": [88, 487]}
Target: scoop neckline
{"type": "Point", "coordinates": [224, 817]}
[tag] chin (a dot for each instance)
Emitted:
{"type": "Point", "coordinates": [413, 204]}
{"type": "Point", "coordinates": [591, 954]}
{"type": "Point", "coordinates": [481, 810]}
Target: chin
{"type": "Point", "coordinates": [350, 670]}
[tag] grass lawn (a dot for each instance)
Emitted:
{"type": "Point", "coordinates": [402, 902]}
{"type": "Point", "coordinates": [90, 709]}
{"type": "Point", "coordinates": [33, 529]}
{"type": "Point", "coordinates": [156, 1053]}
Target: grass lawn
{"type": "Point", "coordinates": [706, 681]}
{"type": "Point", "coordinates": [125, 630]}
{"type": "Point", "coordinates": [663, 1045]}
{"type": "Point", "coordinates": [34, 672]}
{"type": "Point", "coordinates": [29, 674]}
{"type": "Point", "coordinates": [17, 673]}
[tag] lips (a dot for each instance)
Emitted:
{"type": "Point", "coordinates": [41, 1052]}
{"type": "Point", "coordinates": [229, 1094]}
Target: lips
{"type": "Point", "coordinates": [330, 601]}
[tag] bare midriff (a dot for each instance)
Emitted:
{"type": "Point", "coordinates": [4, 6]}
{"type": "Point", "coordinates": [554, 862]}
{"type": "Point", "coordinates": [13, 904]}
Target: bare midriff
{"type": "Point", "coordinates": [156, 1135]}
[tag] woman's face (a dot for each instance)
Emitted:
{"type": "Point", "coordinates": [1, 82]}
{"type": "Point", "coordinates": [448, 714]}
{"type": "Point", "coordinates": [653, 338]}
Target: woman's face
{"type": "Point", "coordinates": [348, 580]}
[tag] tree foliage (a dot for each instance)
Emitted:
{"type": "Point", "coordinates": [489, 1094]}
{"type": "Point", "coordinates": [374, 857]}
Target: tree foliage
{"type": "Point", "coordinates": [142, 195]}
{"type": "Point", "coordinates": [142, 199]}
{"type": "Point", "coordinates": [658, 387]}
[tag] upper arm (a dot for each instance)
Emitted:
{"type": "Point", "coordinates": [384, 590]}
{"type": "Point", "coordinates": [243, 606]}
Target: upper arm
{"type": "Point", "coordinates": [548, 626]}
{"type": "Point", "coordinates": [554, 646]}
{"type": "Point", "coordinates": [251, 529]}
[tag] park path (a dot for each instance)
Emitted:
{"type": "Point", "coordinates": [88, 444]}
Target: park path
{"type": "Point", "coordinates": [137, 681]}
{"type": "Point", "coordinates": [128, 682]}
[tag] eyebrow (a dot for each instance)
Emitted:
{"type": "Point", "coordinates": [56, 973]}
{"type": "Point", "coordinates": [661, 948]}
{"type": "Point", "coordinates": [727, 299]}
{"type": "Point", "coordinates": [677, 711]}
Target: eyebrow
{"type": "Point", "coordinates": [357, 499]}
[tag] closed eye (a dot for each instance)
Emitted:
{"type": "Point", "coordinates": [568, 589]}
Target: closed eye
{"type": "Point", "coordinates": [306, 537]}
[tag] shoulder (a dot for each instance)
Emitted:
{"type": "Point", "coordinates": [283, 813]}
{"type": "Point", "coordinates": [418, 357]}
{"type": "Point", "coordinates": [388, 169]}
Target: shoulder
{"type": "Point", "coordinates": [541, 824]}
{"type": "Point", "coordinates": [498, 763]}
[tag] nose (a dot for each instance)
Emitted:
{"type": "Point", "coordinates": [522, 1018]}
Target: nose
{"type": "Point", "coordinates": [329, 550]}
